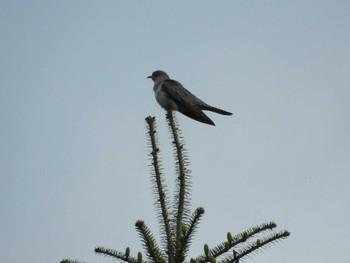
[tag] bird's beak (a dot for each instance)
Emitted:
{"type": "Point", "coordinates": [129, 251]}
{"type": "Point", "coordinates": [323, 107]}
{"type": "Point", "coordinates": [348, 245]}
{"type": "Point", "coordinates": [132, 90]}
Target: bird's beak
{"type": "Point", "coordinates": [149, 77]}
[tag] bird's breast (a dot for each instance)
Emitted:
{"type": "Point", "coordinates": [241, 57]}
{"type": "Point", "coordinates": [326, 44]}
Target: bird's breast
{"type": "Point", "coordinates": [163, 99]}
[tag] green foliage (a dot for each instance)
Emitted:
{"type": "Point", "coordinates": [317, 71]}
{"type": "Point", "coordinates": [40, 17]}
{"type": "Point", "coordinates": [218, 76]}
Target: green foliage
{"type": "Point", "coordinates": [178, 225]}
{"type": "Point", "coordinates": [70, 261]}
{"type": "Point", "coordinates": [139, 257]}
{"type": "Point", "coordinates": [154, 253]}
{"type": "Point", "coordinates": [127, 252]}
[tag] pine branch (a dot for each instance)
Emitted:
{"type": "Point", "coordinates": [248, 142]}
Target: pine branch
{"type": "Point", "coordinates": [160, 191]}
{"type": "Point", "coordinates": [234, 241]}
{"type": "Point", "coordinates": [258, 244]}
{"type": "Point", "coordinates": [119, 255]}
{"type": "Point", "coordinates": [188, 232]}
{"type": "Point", "coordinates": [178, 229]}
{"type": "Point", "coordinates": [154, 253]}
{"type": "Point", "coordinates": [70, 261]}
{"type": "Point", "coordinates": [182, 194]}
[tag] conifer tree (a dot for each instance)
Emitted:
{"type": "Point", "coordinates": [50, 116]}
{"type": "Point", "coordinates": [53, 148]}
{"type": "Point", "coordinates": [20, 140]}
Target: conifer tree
{"type": "Point", "coordinates": [177, 225]}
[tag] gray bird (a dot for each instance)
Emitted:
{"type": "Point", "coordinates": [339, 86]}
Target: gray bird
{"type": "Point", "coordinates": [171, 95]}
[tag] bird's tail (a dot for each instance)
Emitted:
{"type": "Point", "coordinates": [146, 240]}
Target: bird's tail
{"type": "Point", "coordinates": [213, 109]}
{"type": "Point", "coordinates": [198, 116]}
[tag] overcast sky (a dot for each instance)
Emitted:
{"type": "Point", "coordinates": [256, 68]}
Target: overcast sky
{"type": "Point", "coordinates": [74, 169]}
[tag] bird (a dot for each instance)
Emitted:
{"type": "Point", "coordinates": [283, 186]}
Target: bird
{"type": "Point", "coordinates": [172, 96]}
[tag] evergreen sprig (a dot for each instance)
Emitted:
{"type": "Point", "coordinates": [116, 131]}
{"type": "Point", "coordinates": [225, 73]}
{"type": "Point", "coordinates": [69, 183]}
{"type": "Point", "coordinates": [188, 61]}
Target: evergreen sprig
{"type": "Point", "coordinates": [178, 225]}
{"type": "Point", "coordinates": [154, 253]}
{"type": "Point", "coordinates": [119, 255]}
{"type": "Point", "coordinates": [160, 191]}
{"type": "Point", "coordinates": [70, 261]}
{"type": "Point", "coordinates": [182, 193]}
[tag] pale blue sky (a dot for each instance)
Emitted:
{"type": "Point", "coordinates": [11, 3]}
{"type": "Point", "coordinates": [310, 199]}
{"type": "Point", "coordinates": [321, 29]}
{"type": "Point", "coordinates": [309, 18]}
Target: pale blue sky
{"type": "Point", "coordinates": [74, 170]}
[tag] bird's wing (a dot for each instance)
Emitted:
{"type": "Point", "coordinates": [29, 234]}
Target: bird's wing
{"type": "Point", "coordinates": [186, 102]}
{"type": "Point", "coordinates": [178, 93]}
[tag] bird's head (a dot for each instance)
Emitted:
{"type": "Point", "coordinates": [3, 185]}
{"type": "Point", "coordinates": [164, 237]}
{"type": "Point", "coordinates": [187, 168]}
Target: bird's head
{"type": "Point", "coordinates": [158, 75]}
